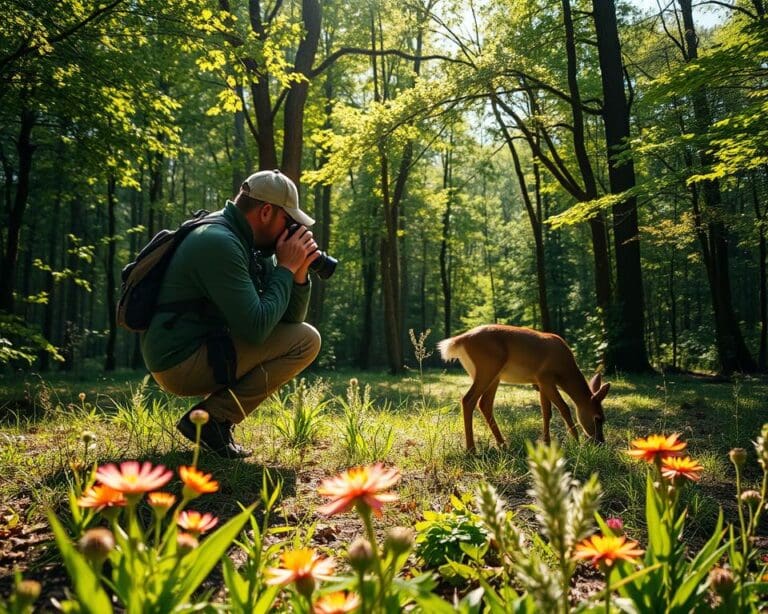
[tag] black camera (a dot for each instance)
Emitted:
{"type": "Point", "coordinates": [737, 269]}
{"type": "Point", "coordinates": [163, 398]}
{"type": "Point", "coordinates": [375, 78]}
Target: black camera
{"type": "Point", "coordinates": [324, 265]}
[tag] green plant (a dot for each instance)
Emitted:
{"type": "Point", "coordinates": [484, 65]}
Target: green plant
{"type": "Point", "coordinates": [22, 598]}
{"type": "Point", "coordinates": [301, 413]}
{"type": "Point", "coordinates": [364, 438]}
{"type": "Point", "coordinates": [247, 591]}
{"type": "Point", "coordinates": [153, 569]}
{"type": "Point", "coordinates": [421, 354]}
{"type": "Point", "coordinates": [443, 536]}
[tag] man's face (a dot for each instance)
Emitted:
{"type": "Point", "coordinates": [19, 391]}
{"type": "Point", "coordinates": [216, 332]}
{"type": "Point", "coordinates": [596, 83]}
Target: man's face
{"type": "Point", "coordinates": [281, 220]}
{"type": "Point", "coordinates": [268, 222]}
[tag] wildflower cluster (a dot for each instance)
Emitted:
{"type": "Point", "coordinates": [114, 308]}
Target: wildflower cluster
{"type": "Point", "coordinates": [154, 568]}
{"type": "Point", "coordinates": [158, 567]}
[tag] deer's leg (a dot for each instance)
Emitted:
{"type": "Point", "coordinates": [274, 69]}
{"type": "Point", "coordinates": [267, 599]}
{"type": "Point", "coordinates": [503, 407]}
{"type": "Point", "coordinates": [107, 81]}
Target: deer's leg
{"type": "Point", "coordinates": [554, 395]}
{"type": "Point", "coordinates": [546, 414]}
{"type": "Point", "coordinates": [486, 407]}
{"type": "Point", "coordinates": [468, 404]}
{"type": "Point", "coordinates": [482, 382]}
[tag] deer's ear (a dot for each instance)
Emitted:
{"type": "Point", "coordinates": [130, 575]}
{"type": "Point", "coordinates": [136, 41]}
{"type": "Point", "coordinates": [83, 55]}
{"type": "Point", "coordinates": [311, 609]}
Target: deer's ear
{"type": "Point", "coordinates": [601, 393]}
{"type": "Point", "coordinates": [594, 383]}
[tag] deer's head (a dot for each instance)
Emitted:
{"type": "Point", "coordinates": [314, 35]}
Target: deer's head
{"type": "Point", "coordinates": [591, 415]}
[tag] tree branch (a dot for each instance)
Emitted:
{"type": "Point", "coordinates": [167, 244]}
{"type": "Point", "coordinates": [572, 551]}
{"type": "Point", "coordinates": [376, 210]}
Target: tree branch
{"type": "Point", "coordinates": [26, 49]}
{"type": "Point", "coordinates": [733, 7]}
{"type": "Point", "coordinates": [377, 53]}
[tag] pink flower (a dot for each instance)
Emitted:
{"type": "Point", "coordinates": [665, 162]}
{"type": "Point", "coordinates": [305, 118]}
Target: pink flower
{"type": "Point", "coordinates": [133, 479]}
{"type": "Point", "coordinates": [615, 524]}
{"type": "Point", "coordinates": [197, 523]}
{"type": "Point", "coordinates": [359, 486]}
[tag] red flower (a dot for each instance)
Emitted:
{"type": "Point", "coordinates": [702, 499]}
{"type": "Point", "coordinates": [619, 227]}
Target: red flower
{"type": "Point", "coordinates": [656, 447]}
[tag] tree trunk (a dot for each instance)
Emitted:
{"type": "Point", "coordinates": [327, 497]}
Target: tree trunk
{"type": "Point", "coordinates": [445, 255]}
{"type": "Point", "coordinates": [50, 284]}
{"type": "Point", "coordinates": [293, 117]}
{"type": "Point", "coordinates": [25, 149]}
{"type": "Point", "coordinates": [534, 218]}
{"type": "Point", "coordinates": [597, 225]}
{"type": "Point", "coordinates": [322, 228]}
{"type": "Point", "coordinates": [111, 289]}
{"type": "Point", "coordinates": [761, 216]}
{"type": "Point", "coordinates": [241, 160]}
{"type": "Point", "coordinates": [732, 350]}
{"type": "Point", "coordinates": [627, 330]}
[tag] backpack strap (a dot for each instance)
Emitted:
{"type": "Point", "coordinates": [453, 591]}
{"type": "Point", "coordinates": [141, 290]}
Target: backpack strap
{"type": "Point", "coordinates": [200, 306]}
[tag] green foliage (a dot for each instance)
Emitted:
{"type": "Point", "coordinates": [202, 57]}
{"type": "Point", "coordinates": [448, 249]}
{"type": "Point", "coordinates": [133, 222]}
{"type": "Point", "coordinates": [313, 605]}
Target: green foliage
{"type": "Point", "coordinates": [301, 413]}
{"type": "Point", "coordinates": [366, 438]}
{"type": "Point", "coordinates": [444, 536]}
{"type": "Point", "coordinates": [19, 342]}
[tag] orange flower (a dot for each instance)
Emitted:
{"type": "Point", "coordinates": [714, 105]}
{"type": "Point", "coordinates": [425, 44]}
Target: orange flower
{"type": "Point", "coordinates": [133, 479]}
{"type": "Point", "coordinates": [339, 602]}
{"type": "Point", "coordinates": [677, 467]}
{"type": "Point", "coordinates": [100, 496]}
{"type": "Point", "coordinates": [656, 447]}
{"type": "Point", "coordinates": [605, 549]}
{"type": "Point", "coordinates": [161, 501]}
{"type": "Point", "coordinates": [196, 482]}
{"type": "Point", "coordinates": [197, 523]}
{"type": "Point", "coordinates": [359, 485]}
{"type": "Point", "coordinates": [302, 566]}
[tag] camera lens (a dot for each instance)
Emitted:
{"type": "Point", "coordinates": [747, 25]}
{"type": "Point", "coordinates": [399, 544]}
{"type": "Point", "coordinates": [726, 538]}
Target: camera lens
{"type": "Point", "coordinates": [324, 265]}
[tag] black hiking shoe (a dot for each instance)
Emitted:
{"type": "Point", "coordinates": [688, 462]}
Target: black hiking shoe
{"type": "Point", "coordinates": [214, 436]}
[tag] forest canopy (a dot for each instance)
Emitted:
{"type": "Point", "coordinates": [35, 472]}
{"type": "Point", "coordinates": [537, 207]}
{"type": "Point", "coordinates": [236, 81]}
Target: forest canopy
{"type": "Point", "coordinates": [596, 169]}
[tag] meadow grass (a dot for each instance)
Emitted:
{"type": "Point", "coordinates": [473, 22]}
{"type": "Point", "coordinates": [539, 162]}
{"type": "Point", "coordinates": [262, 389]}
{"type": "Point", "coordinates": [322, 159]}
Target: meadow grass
{"type": "Point", "coordinates": [331, 420]}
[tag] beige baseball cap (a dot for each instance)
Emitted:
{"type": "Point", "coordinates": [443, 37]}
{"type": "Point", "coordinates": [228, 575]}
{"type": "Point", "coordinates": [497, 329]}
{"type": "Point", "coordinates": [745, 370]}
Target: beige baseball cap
{"type": "Point", "coordinates": [277, 189]}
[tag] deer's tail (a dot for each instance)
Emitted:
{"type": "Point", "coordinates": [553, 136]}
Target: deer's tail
{"type": "Point", "coordinates": [449, 349]}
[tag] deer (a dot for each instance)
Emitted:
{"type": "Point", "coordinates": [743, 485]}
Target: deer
{"type": "Point", "coordinates": [495, 353]}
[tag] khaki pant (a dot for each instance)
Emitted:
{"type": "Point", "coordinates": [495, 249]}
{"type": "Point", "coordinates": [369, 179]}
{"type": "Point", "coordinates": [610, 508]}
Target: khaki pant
{"type": "Point", "coordinates": [261, 369]}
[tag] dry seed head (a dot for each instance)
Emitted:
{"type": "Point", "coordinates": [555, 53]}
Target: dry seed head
{"type": "Point", "coordinates": [722, 581]}
{"type": "Point", "coordinates": [81, 396]}
{"type": "Point", "coordinates": [399, 540]}
{"type": "Point", "coordinates": [185, 543]}
{"type": "Point", "coordinates": [360, 555]}
{"type": "Point", "coordinates": [27, 592]}
{"type": "Point", "coordinates": [198, 416]}
{"type": "Point", "coordinates": [88, 437]}
{"type": "Point", "coordinates": [751, 497]}
{"type": "Point", "coordinates": [96, 544]}
{"type": "Point", "coordinates": [738, 456]}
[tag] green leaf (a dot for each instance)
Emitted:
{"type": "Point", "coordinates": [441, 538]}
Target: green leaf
{"type": "Point", "coordinates": [685, 596]}
{"type": "Point", "coordinates": [658, 537]}
{"type": "Point", "coordinates": [236, 585]}
{"type": "Point", "coordinates": [90, 594]}
{"type": "Point", "coordinates": [264, 604]}
{"type": "Point", "coordinates": [495, 604]}
{"type": "Point", "coordinates": [202, 560]}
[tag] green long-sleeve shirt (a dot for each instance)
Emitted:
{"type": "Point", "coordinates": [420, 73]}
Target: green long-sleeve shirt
{"type": "Point", "coordinates": [213, 262]}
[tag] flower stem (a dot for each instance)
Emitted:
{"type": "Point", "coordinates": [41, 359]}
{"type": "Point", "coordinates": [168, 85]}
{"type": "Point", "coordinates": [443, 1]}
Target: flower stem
{"type": "Point", "coordinates": [365, 512]}
{"type": "Point", "coordinates": [196, 448]}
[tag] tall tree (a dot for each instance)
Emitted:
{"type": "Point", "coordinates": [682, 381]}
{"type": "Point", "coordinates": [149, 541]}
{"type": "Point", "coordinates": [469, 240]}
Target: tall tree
{"type": "Point", "coordinates": [711, 228]}
{"type": "Point", "coordinates": [627, 328]}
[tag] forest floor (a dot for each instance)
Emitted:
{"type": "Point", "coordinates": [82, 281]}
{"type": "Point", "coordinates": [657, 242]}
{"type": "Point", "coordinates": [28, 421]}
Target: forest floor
{"type": "Point", "coordinates": [412, 422]}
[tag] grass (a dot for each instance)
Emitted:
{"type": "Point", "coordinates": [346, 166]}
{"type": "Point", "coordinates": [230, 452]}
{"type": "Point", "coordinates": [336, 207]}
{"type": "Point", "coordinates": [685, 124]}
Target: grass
{"type": "Point", "coordinates": [327, 422]}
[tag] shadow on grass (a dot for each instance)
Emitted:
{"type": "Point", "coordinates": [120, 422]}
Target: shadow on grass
{"type": "Point", "coordinates": [240, 481]}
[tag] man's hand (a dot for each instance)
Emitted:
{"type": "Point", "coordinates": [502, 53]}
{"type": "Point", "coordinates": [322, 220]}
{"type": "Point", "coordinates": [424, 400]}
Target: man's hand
{"type": "Point", "coordinates": [297, 252]}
